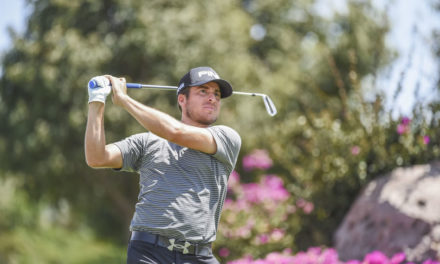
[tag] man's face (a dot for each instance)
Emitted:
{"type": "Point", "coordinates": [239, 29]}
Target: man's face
{"type": "Point", "coordinates": [202, 106]}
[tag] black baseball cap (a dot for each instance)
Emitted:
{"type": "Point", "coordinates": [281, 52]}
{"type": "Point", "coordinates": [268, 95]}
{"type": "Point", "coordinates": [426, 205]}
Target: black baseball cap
{"type": "Point", "coordinates": [202, 75]}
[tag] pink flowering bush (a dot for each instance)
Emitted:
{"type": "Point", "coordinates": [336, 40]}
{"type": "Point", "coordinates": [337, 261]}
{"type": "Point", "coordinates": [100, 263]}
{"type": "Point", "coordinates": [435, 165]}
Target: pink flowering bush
{"type": "Point", "coordinates": [414, 141]}
{"type": "Point", "coordinates": [411, 137]}
{"type": "Point", "coordinates": [329, 159]}
{"type": "Point", "coordinates": [316, 255]}
{"type": "Point", "coordinates": [261, 220]}
{"type": "Point", "coordinates": [254, 218]}
{"type": "Point", "coordinates": [258, 159]}
{"type": "Point", "coordinates": [257, 215]}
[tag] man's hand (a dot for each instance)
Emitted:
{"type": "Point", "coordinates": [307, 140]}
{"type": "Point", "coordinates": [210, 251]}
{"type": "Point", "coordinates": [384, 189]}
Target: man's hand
{"type": "Point", "coordinates": [119, 88]}
{"type": "Point", "coordinates": [99, 93]}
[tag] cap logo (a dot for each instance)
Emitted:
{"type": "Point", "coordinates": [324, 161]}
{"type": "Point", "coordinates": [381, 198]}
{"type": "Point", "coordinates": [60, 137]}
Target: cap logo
{"type": "Point", "coordinates": [209, 73]}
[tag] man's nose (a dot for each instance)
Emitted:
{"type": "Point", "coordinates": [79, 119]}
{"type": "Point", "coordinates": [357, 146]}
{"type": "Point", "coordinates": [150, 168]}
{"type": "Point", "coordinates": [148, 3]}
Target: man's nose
{"type": "Point", "coordinates": [211, 97]}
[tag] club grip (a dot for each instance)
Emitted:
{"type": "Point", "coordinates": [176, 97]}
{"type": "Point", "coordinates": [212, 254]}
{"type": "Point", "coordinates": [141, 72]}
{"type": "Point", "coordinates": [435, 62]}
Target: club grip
{"type": "Point", "coordinates": [94, 84]}
{"type": "Point", "coordinates": [134, 85]}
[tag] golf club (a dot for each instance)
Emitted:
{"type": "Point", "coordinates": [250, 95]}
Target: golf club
{"type": "Point", "coordinates": [268, 103]}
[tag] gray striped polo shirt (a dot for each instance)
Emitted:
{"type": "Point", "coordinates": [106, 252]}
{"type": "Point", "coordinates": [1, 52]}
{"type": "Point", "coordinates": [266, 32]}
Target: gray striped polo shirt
{"type": "Point", "coordinates": [181, 190]}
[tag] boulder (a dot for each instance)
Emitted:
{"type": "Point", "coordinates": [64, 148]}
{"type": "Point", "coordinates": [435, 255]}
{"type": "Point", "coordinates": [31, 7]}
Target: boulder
{"type": "Point", "coordinates": [398, 212]}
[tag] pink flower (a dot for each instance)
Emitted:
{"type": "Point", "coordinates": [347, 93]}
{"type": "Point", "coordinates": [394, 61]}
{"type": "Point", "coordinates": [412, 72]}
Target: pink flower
{"type": "Point", "coordinates": [270, 188]}
{"type": "Point", "coordinates": [398, 258]}
{"type": "Point", "coordinates": [274, 186]}
{"type": "Point", "coordinates": [252, 192]}
{"type": "Point", "coordinates": [263, 239]}
{"type": "Point", "coordinates": [426, 140]}
{"type": "Point", "coordinates": [278, 258]}
{"type": "Point", "coordinates": [236, 206]}
{"type": "Point", "coordinates": [375, 257]}
{"type": "Point", "coordinates": [401, 129]}
{"type": "Point", "coordinates": [355, 150]}
{"type": "Point", "coordinates": [430, 261]}
{"type": "Point", "coordinates": [245, 260]}
{"type": "Point", "coordinates": [405, 121]}
{"type": "Point", "coordinates": [300, 202]}
{"type": "Point", "coordinates": [315, 251]}
{"type": "Point", "coordinates": [223, 252]}
{"type": "Point", "coordinates": [245, 231]}
{"type": "Point", "coordinates": [287, 251]}
{"type": "Point", "coordinates": [316, 255]}
{"type": "Point", "coordinates": [228, 201]}
{"type": "Point", "coordinates": [308, 208]}
{"type": "Point", "coordinates": [277, 234]}
{"type": "Point", "coordinates": [353, 262]}
{"type": "Point", "coordinates": [234, 179]}
{"type": "Point", "coordinates": [329, 256]}
{"type": "Point", "coordinates": [258, 159]}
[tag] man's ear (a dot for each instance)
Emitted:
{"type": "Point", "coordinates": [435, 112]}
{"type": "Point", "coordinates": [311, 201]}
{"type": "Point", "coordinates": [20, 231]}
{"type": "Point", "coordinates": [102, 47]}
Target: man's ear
{"type": "Point", "coordinates": [181, 99]}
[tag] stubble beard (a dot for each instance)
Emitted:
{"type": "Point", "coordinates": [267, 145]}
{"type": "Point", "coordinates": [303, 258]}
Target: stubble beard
{"type": "Point", "coordinates": [203, 121]}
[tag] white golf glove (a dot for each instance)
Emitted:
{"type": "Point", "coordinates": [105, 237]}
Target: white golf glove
{"type": "Point", "coordinates": [99, 87]}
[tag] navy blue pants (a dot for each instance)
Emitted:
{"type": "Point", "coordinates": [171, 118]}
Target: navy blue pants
{"type": "Point", "coordinates": [140, 252]}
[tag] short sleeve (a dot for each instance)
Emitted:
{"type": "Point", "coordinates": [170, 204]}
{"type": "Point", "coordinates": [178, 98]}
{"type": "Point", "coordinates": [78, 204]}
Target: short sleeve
{"type": "Point", "coordinates": [132, 150]}
{"type": "Point", "coordinates": [228, 144]}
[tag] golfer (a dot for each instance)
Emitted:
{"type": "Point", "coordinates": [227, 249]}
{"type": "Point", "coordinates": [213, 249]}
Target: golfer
{"type": "Point", "coordinates": [184, 166]}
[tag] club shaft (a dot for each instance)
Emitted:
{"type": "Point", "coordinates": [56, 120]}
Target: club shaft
{"type": "Point", "coordinates": [149, 86]}
{"type": "Point", "coordinates": [270, 107]}
{"type": "Point", "coordinates": [164, 87]}
{"type": "Point", "coordinates": [251, 94]}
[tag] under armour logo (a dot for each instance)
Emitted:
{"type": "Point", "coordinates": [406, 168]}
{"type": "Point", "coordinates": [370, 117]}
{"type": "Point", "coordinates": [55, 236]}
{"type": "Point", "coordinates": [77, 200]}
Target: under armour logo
{"type": "Point", "coordinates": [184, 247]}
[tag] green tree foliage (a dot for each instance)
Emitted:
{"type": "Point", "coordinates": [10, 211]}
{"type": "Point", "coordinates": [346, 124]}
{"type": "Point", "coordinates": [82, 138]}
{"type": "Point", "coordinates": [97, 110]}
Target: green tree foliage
{"type": "Point", "coordinates": [36, 232]}
{"type": "Point", "coordinates": [321, 73]}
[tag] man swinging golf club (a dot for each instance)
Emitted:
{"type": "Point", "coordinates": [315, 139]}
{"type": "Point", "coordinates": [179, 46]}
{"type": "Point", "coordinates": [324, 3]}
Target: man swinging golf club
{"type": "Point", "coordinates": [184, 166]}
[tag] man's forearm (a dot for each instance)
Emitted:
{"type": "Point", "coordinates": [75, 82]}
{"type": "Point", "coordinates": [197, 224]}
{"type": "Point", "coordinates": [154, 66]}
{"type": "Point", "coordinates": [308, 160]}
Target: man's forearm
{"type": "Point", "coordinates": [155, 121]}
{"type": "Point", "coordinates": [94, 143]}
{"type": "Point", "coordinates": [161, 124]}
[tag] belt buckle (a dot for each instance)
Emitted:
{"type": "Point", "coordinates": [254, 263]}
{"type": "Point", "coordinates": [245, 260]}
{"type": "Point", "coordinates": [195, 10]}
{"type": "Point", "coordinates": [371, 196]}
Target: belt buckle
{"type": "Point", "coordinates": [173, 245]}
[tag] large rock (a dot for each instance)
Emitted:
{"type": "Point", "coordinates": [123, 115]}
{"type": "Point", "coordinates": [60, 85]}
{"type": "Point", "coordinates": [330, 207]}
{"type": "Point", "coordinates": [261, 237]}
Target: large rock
{"type": "Point", "coordinates": [399, 212]}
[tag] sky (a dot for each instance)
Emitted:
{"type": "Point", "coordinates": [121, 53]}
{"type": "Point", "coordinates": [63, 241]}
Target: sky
{"type": "Point", "coordinates": [411, 25]}
{"type": "Point", "coordinates": [12, 13]}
